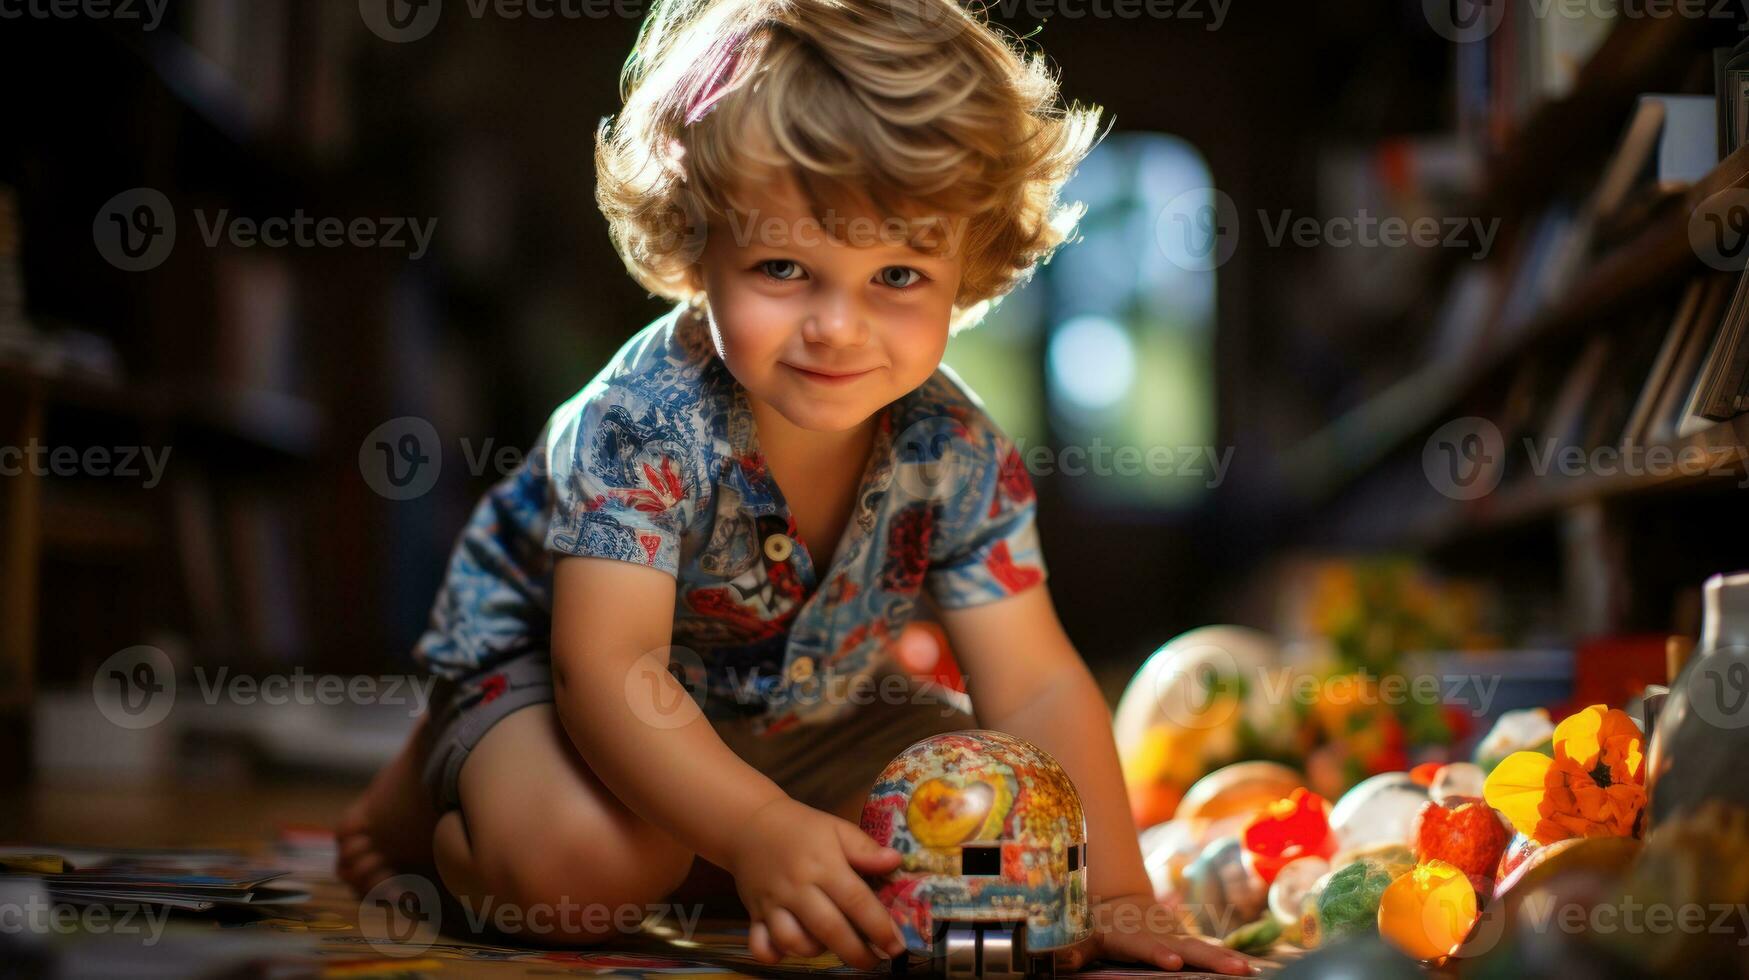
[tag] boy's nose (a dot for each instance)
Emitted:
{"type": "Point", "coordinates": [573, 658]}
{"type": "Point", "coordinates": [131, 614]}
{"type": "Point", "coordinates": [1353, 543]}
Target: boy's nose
{"type": "Point", "coordinates": [837, 322]}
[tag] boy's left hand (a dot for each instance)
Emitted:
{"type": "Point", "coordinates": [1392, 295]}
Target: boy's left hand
{"type": "Point", "coordinates": [1137, 929]}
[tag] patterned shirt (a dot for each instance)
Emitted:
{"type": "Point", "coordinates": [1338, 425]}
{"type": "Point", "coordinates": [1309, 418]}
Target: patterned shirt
{"type": "Point", "coordinates": [656, 462]}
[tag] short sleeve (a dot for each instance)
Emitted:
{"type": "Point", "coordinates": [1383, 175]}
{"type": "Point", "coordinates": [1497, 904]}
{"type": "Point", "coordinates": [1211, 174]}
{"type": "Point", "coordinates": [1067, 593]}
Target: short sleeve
{"type": "Point", "coordinates": [989, 546]}
{"type": "Point", "coordinates": [623, 478]}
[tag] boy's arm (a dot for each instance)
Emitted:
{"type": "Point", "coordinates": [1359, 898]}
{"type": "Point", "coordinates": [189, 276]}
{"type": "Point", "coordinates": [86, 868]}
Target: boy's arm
{"type": "Point", "coordinates": [640, 730]}
{"type": "Point", "coordinates": [1026, 679]}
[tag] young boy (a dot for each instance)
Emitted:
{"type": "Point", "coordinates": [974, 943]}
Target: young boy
{"type": "Point", "coordinates": [826, 188]}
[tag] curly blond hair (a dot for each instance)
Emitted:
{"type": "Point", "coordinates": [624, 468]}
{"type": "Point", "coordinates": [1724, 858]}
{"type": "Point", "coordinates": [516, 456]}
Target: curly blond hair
{"type": "Point", "coordinates": [902, 107]}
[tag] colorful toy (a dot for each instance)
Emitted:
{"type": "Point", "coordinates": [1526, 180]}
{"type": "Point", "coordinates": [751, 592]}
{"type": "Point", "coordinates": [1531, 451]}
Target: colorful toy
{"type": "Point", "coordinates": [1467, 834]}
{"type": "Point", "coordinates": [1295, 827]}
{"type": "Point", "coordinates": [1194, 706]}
{"type": "Point", "coordinates": [993, 845]}
{"type": "Point", "coordinates": [1427, 912]}
{"type": "Point", "coordinates": [1379, 810]}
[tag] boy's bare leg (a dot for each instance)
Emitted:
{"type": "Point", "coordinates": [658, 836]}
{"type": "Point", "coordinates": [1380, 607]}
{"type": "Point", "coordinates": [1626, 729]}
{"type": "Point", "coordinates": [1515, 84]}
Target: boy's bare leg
{"type": "Point", "coordinates": [538, 832]}
{"type": "Point", "coordinates": [387, 830]}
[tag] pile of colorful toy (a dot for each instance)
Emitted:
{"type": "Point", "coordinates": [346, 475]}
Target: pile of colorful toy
{"type": "Point", "coordinates": [1543, 844]}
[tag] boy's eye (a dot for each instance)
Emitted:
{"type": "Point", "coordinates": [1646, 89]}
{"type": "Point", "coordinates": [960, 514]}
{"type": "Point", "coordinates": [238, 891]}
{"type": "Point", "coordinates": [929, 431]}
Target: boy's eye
{"type": "Point", "coordinates": [898, 276]}
{"type": "Point", "coordinates": [782, 270]}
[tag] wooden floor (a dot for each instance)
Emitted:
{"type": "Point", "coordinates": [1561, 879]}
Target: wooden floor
{"type": "Point", "coordinates": [333, 935]}
{"type": "Point", "coordinates": [168, 815]}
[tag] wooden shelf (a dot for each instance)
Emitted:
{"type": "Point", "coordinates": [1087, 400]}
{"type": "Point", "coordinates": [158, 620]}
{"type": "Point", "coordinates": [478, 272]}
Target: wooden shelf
{"type": "Point", "coordinates": [1536, 497]}
{"type": "Point", "coordinates": [1336, 455]}
{"type": "Point", "coordinates": [273, 423]}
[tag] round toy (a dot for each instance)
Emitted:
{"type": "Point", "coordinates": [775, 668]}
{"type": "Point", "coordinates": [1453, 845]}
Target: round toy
{"type": "Point", "coordinates": [1221, 889]}
{"type": "Point", "coordinates": [993, 847]}
{"type": "Point", "coordinates": [1193, 707]}
{"type": "Point", "coordinates": [1378, 810]}
{"type": "Point", "coordinates": [1240, 789]}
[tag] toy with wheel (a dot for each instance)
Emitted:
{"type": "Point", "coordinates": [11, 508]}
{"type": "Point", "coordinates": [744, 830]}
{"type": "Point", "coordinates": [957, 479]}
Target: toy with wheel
{"type": "Point", "coordinates": [993, 876]}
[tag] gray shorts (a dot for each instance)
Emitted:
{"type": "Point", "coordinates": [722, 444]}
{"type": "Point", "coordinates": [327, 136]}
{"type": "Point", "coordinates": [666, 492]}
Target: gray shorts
{"type": "Point", "coordinates": [829, 765]}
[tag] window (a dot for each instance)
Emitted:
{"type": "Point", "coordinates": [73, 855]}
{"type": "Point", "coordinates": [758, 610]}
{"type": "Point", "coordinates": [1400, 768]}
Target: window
{"type": "Point", "coordinates": [1110, 348]}
{"type": "Point", "coordinates": [1076, 859]}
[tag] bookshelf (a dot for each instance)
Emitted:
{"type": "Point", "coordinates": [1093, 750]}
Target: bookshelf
{"type": "Point", "coordinates": [1345, 449]}
{"type": "Point", "coordinates": [1355, 483]}
{"type": "Point", "coordinates": [244, 364]}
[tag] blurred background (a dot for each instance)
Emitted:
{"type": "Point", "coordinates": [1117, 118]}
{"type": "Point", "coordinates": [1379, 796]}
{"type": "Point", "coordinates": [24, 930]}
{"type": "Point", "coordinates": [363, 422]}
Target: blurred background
{"type": "Point", "coordinates": [1309, 425]}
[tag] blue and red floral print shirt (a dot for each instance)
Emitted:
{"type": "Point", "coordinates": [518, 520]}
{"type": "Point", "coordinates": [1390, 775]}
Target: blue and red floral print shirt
{"type": "Point", "coordinates": [656, 462]}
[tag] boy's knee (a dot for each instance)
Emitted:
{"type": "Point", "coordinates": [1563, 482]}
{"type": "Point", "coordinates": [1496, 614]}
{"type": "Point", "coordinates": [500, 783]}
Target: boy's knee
{"type": "Point", "coordinates": [568, 884]}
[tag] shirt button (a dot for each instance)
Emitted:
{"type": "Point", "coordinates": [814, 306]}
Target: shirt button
{"type": "Point", "coordinates": [779, 547]}
{"type": "Point", "coordinates": [801, 669]}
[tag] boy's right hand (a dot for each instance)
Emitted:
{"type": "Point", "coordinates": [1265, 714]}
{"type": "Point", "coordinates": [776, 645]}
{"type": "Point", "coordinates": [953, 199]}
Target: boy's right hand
{"type": "Point", "coordinates": [799, 872]}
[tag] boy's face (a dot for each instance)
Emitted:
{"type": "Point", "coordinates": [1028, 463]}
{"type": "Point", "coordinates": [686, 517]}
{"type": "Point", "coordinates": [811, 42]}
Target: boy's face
{"type": "Point", "coordinates": [827, 330]}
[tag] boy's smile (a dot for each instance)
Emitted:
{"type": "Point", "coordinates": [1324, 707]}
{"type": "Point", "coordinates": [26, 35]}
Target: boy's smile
{"type": "Point", "coordinates": [824, 330]}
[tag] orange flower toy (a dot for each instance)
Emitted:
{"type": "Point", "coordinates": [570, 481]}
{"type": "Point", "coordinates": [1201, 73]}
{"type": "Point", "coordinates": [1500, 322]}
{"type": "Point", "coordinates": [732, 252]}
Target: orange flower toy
{"type": "Point", "coordinates": [1594, 786]}
{"type": "Point", "coordinates": [1296, 827]}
